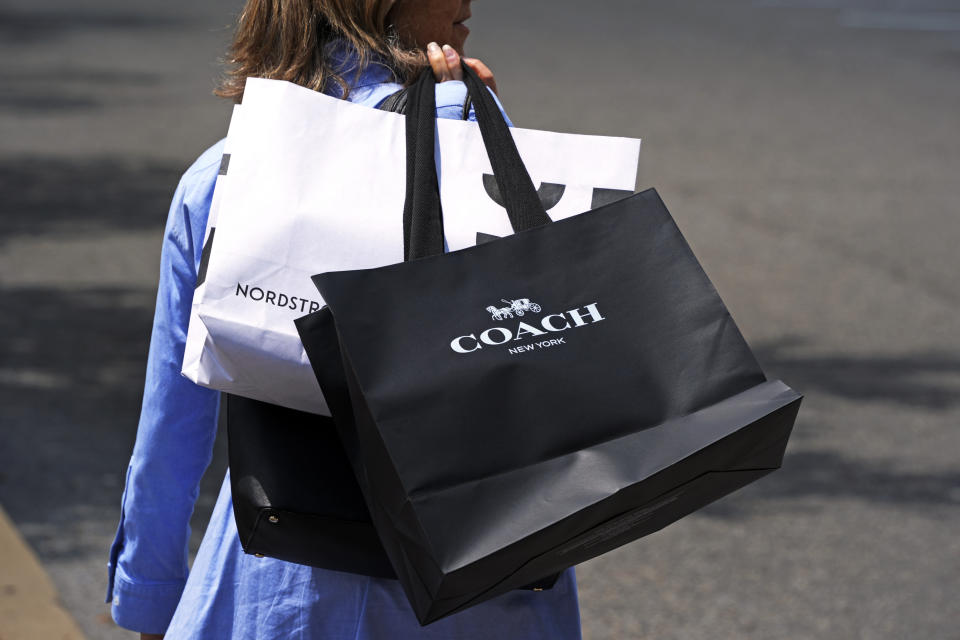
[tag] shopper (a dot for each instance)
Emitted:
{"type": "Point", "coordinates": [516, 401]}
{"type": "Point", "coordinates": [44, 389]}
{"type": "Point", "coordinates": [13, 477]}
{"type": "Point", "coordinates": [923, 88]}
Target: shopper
{"type": "Point", "coordinates": [362, 51]}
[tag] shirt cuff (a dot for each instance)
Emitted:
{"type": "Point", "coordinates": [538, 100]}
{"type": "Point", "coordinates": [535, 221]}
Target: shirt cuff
{"type": "Point", "coordinates": [144, 608]}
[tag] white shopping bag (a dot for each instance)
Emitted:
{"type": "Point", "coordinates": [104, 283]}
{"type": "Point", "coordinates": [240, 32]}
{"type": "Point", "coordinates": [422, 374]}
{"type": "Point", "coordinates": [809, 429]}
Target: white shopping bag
{"type": "Point", "coordinates": [315, 184]}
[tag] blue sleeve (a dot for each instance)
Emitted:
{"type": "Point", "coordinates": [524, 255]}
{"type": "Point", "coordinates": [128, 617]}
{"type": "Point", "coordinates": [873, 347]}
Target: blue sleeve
{"type": "Point", "coordinates": [450, 98]}
{"type": "Point", "coordinates": [148, 559]}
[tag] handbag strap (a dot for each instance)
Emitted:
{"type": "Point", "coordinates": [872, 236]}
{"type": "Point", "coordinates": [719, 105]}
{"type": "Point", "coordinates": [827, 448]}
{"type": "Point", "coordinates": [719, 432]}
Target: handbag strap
{"type": "Point", "coordinates": [422, 213]}
{"type": "Point", "coordinates": [397, 103]}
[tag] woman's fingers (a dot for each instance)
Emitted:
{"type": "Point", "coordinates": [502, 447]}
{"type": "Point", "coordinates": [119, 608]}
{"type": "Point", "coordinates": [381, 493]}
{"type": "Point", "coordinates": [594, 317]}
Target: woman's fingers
{"type": "Point", "coordinates": [483, 72]}
{"type": "Point", "coordinates": [438, 62]}
{"type": "Point", "coordinates": [445, 62]}
{"type": "Point", "coordinates": [453, 62]}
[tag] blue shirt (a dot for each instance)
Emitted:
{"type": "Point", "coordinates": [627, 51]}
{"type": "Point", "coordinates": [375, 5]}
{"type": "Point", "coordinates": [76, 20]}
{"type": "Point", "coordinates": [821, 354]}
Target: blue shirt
{"type": "Point", "coordinates": [227, 593]}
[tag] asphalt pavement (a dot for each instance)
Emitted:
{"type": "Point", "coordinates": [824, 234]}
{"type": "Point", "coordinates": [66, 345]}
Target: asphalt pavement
{"type": "Point", "coordinates": [810, 152]}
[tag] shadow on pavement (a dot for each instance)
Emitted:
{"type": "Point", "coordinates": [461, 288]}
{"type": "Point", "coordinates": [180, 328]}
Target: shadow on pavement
{"type": "Point", "coordinates": [828, 476]}
{"type": "Point", "coordinates": [912, 380]}
{"type": "Point", "coordinates": [45, 195]}
{"type": "Point", "coordinates": [65, 89]}
{"type": "Point", "coordinates": [31, 27]}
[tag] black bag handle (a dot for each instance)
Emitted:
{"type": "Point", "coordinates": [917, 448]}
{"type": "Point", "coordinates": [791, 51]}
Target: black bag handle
{"type": "Point", "coordinates": [523, 204]}
{"type": "Point", "coordinates": [422, 214]}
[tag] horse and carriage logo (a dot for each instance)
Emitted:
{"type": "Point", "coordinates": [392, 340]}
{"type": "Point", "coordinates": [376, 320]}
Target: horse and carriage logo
{"type": "Point", "coordinates": [514, 307]}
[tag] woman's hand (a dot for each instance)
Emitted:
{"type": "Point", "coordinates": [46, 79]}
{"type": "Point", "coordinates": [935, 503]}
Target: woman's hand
{"type": "Point", "coordinates": [445, 62]}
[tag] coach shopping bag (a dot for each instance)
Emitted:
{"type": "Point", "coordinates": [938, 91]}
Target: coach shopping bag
{"type": "Point", "coordinates": [312, 184]}
{"type": "Point", "coordinates": [524, 405]}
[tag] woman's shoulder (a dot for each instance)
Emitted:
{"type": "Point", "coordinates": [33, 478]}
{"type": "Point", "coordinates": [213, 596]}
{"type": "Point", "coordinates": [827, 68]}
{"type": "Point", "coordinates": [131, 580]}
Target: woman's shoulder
{"type": "Point", "coordinates": [206, 167]}
{"type": "Point", "coordinates": [190, 208]}
{"type": "Point", "coordinates": [195, 191]}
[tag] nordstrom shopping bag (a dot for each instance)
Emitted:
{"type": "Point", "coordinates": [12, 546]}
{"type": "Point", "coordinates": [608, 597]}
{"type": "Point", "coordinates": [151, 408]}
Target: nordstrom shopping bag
{"type": "Point", "coordinates": [315, 184]}
{"type": "Point", "coordinates": [521, 406]}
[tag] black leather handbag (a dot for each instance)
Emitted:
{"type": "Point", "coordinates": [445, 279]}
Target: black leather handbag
{"type": "Point", "coordinates": [295, 496]}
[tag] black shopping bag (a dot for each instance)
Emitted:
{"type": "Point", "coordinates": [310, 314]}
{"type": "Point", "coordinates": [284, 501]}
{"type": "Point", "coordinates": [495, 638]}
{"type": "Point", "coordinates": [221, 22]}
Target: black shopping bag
{"type": "Point", "coordinates": [527, 404]}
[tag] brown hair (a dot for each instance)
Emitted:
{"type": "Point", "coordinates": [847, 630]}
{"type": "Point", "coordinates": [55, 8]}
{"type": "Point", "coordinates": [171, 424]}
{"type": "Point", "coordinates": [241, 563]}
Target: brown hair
{"type": "Point", "coordinates": [288, 40]}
